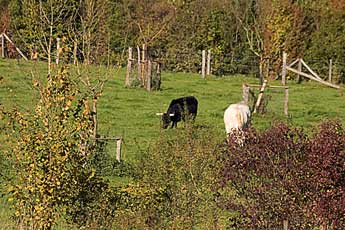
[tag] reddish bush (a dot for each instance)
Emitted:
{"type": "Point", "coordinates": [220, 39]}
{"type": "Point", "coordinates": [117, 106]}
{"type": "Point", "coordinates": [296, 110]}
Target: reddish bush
{"type": "Point", "coordinates": [280, 174]}
{"type": "Point", "coordinates": [326, 178]}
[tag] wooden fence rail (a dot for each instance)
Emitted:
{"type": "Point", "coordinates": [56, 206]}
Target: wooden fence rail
{"type": "Point", "coordinates": [312, 75]}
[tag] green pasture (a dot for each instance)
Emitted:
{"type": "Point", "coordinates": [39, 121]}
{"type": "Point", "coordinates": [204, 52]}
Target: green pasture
{"type": "Point", "coordinates": [131, 112]}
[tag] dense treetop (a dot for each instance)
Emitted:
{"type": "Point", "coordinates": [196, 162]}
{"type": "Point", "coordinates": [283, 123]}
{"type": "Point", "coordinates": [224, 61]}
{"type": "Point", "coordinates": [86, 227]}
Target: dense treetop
{"type": "Point", "coordinates": [240, 33]}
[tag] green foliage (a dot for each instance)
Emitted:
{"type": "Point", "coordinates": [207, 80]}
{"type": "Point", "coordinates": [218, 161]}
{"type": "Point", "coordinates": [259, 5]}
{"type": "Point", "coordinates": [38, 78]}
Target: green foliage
{"type": "Point", "coordinates": [140, 206]}
{"type": "Point", "coordinates": [32, 23]}
{"type": "Point", "coordinates": [184, 165]}
{"type": "Point", "coordinates": [327, 43]}
{"type": "Point", "coordinates": [177, 31]}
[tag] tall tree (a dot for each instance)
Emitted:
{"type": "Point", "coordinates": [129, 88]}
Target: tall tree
{"type": "Point", "coordinates": [4, 15]}
{"type": "Point", "coordinates": [93, 32]}
{"type": "Point", "coordinates": [39, 23]}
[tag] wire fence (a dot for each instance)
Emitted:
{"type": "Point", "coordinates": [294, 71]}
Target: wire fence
{"type": "Point", "coordinates": [191, 61]}
{"type": "Point", "coordinates": [173, 59]}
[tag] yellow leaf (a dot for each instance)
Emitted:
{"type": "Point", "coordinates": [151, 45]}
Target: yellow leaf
{"type": "Point", "coordinates": [93, 171]}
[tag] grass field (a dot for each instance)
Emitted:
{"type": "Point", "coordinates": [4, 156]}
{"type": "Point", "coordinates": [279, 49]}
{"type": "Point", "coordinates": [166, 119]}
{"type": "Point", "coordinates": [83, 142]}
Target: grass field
{"type": "Point", "coordinates": [130, 113]}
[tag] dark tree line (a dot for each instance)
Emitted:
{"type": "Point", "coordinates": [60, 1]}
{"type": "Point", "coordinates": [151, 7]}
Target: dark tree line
{"type": "Point", "coordinates": [240, 33]}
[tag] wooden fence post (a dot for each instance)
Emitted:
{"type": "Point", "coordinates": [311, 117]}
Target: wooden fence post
{"type": "Point", "coordinates": [203, 64]}
{"type": "Point", "coordinates": [143, 65]}
{"type": "Point", "coordinates": [138, 62]}
{"type": "Point", "coordinates": [75, 52]}
{"type": "Point", "coordinates": [286, 102]}
{"type": "Point", "coordinates": [2, 46]}
{"type": "Point", "coordinates": [245, 93]}
{"type": "Point", "coordinates": [158, 76]}
{"type": "Point", "coordinates": [57, 50]}
{"type": "Point", "coordinates": [129, 67]}
{"type": "Point", "coordinates": [148, 75]}
{"type": "Point", "coordinates": [299, 68]}
{"type": "Point", "coordinates": [284, 69]}
{"type": "Point", "coordinates": [118, 149]}
{"type": "Point", "coordinates": [330, 71]}
{"type": "Point", "coordinates": [208, 72]}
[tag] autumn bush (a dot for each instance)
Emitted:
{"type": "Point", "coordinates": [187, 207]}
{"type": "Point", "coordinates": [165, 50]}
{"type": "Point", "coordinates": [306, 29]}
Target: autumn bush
{"type": "Point", "coordinates": [50, 154]}
{"type": "Point", "coordinates": [281, 174]}
{"type": "Point", "coordinates": [325, 170]}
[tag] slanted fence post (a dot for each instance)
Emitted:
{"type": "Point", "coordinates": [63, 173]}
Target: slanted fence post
{"type": "Point", "coordinates": [261, 93]}
{"type": "Point", "coordinates": [299, 68]}
{"type": "Point", "coordinates": [18, 50]}
{"type": "Point", "coordinates": [118, 149]}
{"type": "Point", "coordinates": [129, 67]}
{"type": "Point", "coordinates": [203, 64]}
{"type": "Point", "coordinates": [330, 71]}
{"type": "Point", "coordinates": [208, 72]}
{"type": "Point", "coordinates": [2, 46]}
{"type": "Point", "coordinates": [284, 69]}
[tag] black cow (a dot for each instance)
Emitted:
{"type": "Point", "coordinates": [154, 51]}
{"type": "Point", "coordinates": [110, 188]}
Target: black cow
{"type": "Point", "coordinates": [183, 108]}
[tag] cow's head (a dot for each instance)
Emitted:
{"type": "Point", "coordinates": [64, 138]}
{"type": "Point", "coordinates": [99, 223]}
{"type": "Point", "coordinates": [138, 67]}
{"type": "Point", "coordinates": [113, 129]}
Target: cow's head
{"type": "Point", "coordinates": [166, 119]}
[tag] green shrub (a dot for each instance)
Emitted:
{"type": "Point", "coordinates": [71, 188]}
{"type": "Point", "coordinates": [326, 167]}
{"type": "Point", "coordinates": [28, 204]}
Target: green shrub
{"type": "Point", "coordinates": [183, 164]}
{"type": "Point", "coordinates": [50, 154]}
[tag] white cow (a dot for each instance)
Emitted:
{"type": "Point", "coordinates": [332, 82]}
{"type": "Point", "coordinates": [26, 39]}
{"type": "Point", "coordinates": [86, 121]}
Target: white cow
{"type": "Point", "coordinates": [237, 117]}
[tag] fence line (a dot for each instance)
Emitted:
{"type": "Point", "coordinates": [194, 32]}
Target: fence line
{"type": "Point", "coordinates": [312, 75]}
{"type": "Point", "coordinates": [246, 90]}
{"type": "Point", "coordinates": [148, 71]}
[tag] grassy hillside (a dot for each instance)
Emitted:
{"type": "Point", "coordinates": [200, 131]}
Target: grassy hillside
{"type": "Point", "coordinates": [130, 113]}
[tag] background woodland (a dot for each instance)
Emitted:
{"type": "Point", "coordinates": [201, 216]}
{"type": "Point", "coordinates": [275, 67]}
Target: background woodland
{"type": "Point", "coordinates": [242, 35]}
